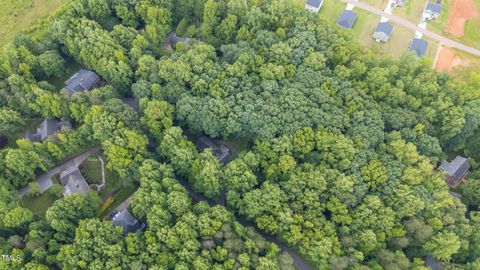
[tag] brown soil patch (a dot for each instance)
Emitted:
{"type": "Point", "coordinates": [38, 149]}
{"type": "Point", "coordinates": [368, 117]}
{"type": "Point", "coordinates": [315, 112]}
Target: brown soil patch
{"type": "Point", "coordinates": [461, 11]}
{"type": "Point", "coordinates": [447, 60]}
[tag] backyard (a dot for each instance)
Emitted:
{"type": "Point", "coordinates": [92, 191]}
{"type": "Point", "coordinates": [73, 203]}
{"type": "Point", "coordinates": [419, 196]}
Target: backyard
{"type": "Point", "coordinates": [39, 205]}
{"type": "Point", "coordinates": [30, 124]}
{"type": "Point", "coordinates": [17, 15]}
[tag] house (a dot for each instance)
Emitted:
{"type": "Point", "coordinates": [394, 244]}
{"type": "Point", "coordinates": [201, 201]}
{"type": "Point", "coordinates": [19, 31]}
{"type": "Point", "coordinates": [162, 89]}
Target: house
{"type": "Point", "coordinates": [173, 39]}
{"type": "Point", "coordinates": [419, 46]}
{"type": "Point", "coordinates": [74, 182]}
{"type": "Point", "coordinates": [347, 19]}
{"type": "Point", "coordinates": [125, 220]}
{"type": "Point", "coordinates": [432, 11]}
{"type": "Point", "coordinates": [83, 80]}
{"type": "Point", "coordinates": [221, 151]}
{"type": "Point", "coordinates": [456, 170]}
{"type": "Point", "coordinates": [45, 129]}
{"type": "Point", "coordinates": [314, 5]}
{"type": "Point", "coordinates": [383, 32]}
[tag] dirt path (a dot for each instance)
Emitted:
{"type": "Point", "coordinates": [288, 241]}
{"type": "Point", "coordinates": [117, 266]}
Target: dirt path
{"type": "Point", "coordinates": [460, 12]}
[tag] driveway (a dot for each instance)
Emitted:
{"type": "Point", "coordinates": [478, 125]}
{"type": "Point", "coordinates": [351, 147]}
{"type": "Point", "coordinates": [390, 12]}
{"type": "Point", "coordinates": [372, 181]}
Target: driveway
{"type": "Point", "coordinates": [408, 24]}
{"type": "Point", "coordinates": [45, 180]}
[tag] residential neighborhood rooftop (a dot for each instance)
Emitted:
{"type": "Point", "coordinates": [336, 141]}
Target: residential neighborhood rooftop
{"type": "Point", "coordinates": [347, 19]}
{"type": "Point", "coordinates": [419, 46]}
{"type": "Point", "coordinates": [127, 222]}
{"type": "Point", "coordinates": [434, 7]}
{"type": "Point", "coordinates": [81, 81]}
{"type": "Point", "coordinates": [314, 3]}
{"type": "Point", "coordinates": [384, 27]}
{"type": "Point", "coordinates": [456, 169]}
{"type": "Point", "coordinates": [74, 182]}
{"type": "Point", "coordinates": [221, 151]}
{"type": "Point", "coordinates": [45, 129]}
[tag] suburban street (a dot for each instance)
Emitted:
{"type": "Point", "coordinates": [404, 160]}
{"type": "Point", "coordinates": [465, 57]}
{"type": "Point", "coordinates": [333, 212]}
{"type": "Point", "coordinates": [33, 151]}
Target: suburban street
{"type": "Point", "coordinates": [446, 41]}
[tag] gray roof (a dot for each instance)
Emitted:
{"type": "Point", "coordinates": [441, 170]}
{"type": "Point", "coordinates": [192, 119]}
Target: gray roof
{"type": "Point", "coordinates": [221, 151]}
{"type": "Point", "coordinates": [74, 183]}
{"type": "Point", "coordinates": [434, 7]}
{"type": "Point", "coordinates": [173, 39]}
{"type": "Point", "coordinates": [45, 129]}
{"type": "Point", "coordinates": [456, 169]}
{"type": "Point", "coordinates": [81, 81]}
{"type": "Point", "coordinates": [432, 263]}
{"type": "Point", "coordinates": [347, 19]}
{"type": "Point", "coordinates": [419, 46]}
{"type": "Point", "coordinates": [314, 3]}
{"type": "Point", "coordinates": [384, 27]}
{"type": "Point", "coordinates": [128, 222]}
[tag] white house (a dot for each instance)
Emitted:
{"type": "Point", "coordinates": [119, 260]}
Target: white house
{"type": "Point", "coordinates": [314, 5]}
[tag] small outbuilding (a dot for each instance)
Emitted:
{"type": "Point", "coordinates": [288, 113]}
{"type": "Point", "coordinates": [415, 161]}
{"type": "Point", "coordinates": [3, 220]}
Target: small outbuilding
{"type": "Point", "coordinates": [419, 46]}
{"type": "Point", "coordinates": [347, 19]}
{"type": "Point", "coordinates": [383, 32]}
{"type": "Point", "coordinates": [125, 220]}
{"type": "Point", "coordinates": [83, 80]}
{"type": "Point", "coordinates": [432, 11]}
{"type": "Point", "coordinates": [221, 151]}
{"type": "Point", "coordinates": [398, 3]}
{"type": "Point", "coordinates": [172, 40]}
{"type": "Point", "coordinates": [314, 5]}
{"type": "Point", "coordinates": [455, 171]}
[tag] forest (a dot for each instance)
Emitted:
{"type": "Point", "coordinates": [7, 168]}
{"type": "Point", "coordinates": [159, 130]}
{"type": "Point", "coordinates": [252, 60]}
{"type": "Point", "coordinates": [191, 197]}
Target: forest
{"type": "Point", "coordinates": [338, 148]}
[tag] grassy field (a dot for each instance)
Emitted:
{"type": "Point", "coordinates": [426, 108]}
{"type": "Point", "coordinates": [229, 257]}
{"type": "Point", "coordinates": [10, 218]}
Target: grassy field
{"type": "Point", "coordinates": [380, 4]}
{"type": "Point", "coordinates": [412, 10]}
{"type": "Point", "coordinates": [472, 32]}
{"type": "Point", "coordinates": [39, 205]}
{"type": "Point", "coordinates": [332, 9]}
{"type": "Point", "coordinates": [17, 15]}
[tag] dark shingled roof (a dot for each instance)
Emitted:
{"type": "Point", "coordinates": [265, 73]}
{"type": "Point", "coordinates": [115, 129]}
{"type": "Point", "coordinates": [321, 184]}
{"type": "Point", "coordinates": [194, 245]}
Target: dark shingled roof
{"type": "Point", "coordinates": [45, 129]}
{"type": "Point", "coordinates": [434, 7]}
{"type": "Point", "coordinates": [457, 168]}
{"type": "Point", "coordinates": [128, 222]}
{"type": "Point", "coordinates": [81, 81]}
{"type": "Point", "coordinates": [419, 46]}
{"type": "Point", "coordinates": [347, 19]}
{"type": "Point", "coordinates": [74, 183]}
{"type": "Point", "coordinates": [222, 152]}
{"type": "Point", "coordinates": [314, 3]}
{"type": "Point", "coordinates": [384, 27]}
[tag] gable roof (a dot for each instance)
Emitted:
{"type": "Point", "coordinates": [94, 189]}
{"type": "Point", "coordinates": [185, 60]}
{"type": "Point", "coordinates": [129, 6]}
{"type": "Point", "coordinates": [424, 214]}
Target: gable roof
{"type": "Point", "coordinates": [314, 3]}
{"type": "Point", "coordinates": [81, 81]}
{"type": "Point", "coordinates": [434, 7]}
{"type": "Point", "coordinates": [128, 222]}
{"type": "Point", "coordinates": [347, 19]}
{"type": "Point", "coordinates": [456, 169]}
{"type": "Point", "coordinates": [74, 183]}
{"type": "Point", "coordinates": [221, 151]}
{"type": "Point", "coordinates": [45, 129]}
{"type": "Point", "coordinates": [384, 27]}
{"type": "Point", "coordinates": [419, 46]}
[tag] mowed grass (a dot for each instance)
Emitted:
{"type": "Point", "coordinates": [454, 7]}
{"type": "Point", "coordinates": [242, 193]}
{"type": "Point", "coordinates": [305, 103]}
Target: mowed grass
{"type": "Point", "coordinates": [30, 124]}
{"type": "Point", "coordinates": [39, 205]}
{"type": "Point", "coordinates": [17, 15]}
{"type": "Point", "coordinates": [380, 4]}
{"type": "Point", "coordinates": [331, 10]}
{"type": "Point", "coordinates": [412, 10]}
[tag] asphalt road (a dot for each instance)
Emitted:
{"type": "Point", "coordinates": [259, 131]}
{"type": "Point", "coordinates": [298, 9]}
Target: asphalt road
{"type": "Point", "coordinates": [446, 41]}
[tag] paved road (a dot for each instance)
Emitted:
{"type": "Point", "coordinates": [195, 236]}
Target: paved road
{"type": "Point", "coordinates": [408, 24]}
{"type": "Point", "coordinates": [45, 180]}
{"type": "Point", "coordinates": [298, 261]}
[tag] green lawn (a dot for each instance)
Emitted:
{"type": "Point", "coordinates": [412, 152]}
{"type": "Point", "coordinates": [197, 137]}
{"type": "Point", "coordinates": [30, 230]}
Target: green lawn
{"type": "Point", "coordinates": [116, 187]}
{"type": "Point", "coordinates": [332, 9]}
{"type": "Point", "coordinates": [17, 15]}
{"type": "Point", "coordinates": [39, 205]}
{"type": "Point", "coordinates": [380, 4]}
{"type": "Point", "coordinates": [412, 10]}
{"type": "Point", "coordinates": [30, 124]}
